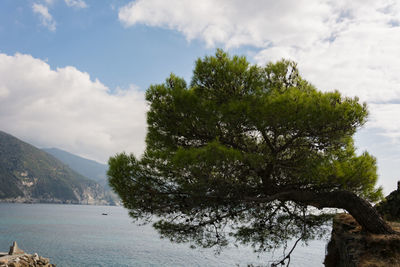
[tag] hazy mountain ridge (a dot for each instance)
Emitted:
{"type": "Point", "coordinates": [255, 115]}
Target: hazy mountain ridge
{"type": "Point", "coordinates": [28, 174]}
{"type": "Point", "coordinates": [86, 167]}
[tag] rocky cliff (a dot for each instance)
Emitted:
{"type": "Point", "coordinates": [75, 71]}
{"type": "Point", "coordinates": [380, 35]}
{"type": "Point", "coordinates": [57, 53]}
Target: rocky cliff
{"type": "Point", "coordinates": [350, 247]}
{"type": "Point", "coordinates": [390, 207]}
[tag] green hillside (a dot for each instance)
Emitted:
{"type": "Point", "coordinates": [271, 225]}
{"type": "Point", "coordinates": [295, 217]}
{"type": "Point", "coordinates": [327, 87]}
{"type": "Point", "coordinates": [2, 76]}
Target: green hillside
{"type": "Point", "coordinates": [28, 174]}
{"type": "Point", "coordinates": [86, 167]}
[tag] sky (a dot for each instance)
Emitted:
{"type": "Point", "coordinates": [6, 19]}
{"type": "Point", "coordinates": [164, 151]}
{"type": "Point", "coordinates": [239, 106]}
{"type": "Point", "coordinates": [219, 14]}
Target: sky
{"type": "Point", "coordinates": [73, 73]}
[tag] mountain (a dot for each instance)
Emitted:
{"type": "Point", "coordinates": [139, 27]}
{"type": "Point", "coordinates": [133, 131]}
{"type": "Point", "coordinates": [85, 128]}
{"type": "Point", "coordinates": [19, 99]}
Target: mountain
{"type": "Point", "coordinates": [88, 168]}
{"type": "Point", "coordinates": [28, 174]}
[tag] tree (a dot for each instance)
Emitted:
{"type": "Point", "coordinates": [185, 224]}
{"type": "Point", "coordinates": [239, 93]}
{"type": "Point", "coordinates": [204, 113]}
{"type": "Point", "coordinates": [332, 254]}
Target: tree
{"type": "Point", "coordinates": [244, 153]}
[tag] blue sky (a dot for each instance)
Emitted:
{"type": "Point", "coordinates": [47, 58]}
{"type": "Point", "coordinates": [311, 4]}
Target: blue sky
{"type": "Point", "coordinates": [73, 72]}
{"type": "Point", "coordinates": [93, 40]}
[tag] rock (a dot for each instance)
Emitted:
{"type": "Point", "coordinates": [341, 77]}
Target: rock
{"type": "Point", "coordinates": [24, 260]}
{"type": "Point", "coordinates": [351, 247]}
{"type": "Point", "coordinates": [18, 258]}
{"type": "Point", "coordinates": [390, 207]}
{"type": "Point", "coordinates": [15, 250]}
{"type": "Point", "coordinates": [44, 260]}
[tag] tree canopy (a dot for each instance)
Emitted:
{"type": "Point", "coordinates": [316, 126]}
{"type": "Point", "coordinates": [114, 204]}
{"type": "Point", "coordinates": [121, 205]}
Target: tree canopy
{"type": "Point", "coordinates": [243, 153]}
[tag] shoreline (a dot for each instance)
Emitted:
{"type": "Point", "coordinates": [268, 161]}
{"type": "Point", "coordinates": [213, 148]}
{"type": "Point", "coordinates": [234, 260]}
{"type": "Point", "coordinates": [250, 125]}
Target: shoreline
{"type": "Point", "coordinates": [16, 257]}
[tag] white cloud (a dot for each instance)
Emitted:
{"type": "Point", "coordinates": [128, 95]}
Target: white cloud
{"type": "Point", "coordinates": [45, 17]}
{"type": "Point", "coordinates": [64, 108]}
{"type": "Point", "coordinates": [233, 22]}
{"type": "Point", "coordinates": [76, 3]}
{"type": "Point", "coordinates": [360, 58]}
{"type": "Point", "coordinates": [4, 92]}
{"type": "Point", "coordinates": [385, 117]}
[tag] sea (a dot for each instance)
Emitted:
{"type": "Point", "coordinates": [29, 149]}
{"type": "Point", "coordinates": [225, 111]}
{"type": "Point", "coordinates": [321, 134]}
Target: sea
{"type": "Point", "coordinates": [79, 235]}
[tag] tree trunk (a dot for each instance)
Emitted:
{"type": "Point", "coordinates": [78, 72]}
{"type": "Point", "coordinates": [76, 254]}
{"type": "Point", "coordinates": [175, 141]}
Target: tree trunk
{"type": "Point", "coordinates": [360, 209]}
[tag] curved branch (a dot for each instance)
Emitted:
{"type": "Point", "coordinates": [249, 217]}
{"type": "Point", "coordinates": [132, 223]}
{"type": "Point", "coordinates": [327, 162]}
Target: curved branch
{"type": "Point", "coordinates": [360, 209]}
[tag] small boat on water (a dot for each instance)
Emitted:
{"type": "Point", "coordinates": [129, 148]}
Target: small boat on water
{"type": "Point", "coordinates": [104, 214]}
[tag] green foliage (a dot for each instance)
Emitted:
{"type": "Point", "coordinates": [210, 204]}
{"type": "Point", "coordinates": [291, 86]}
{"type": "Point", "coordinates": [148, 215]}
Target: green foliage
{"type": "Point", "coordinates": [220, 150]}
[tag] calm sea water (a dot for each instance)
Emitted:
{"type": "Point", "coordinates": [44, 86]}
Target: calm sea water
{"type": "Point", "coordinates": [78, 235]}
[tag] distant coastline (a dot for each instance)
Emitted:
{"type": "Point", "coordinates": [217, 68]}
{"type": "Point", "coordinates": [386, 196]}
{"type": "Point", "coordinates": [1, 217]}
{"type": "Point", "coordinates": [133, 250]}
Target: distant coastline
{"type": "Point", "coordinates": [57, 201]}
